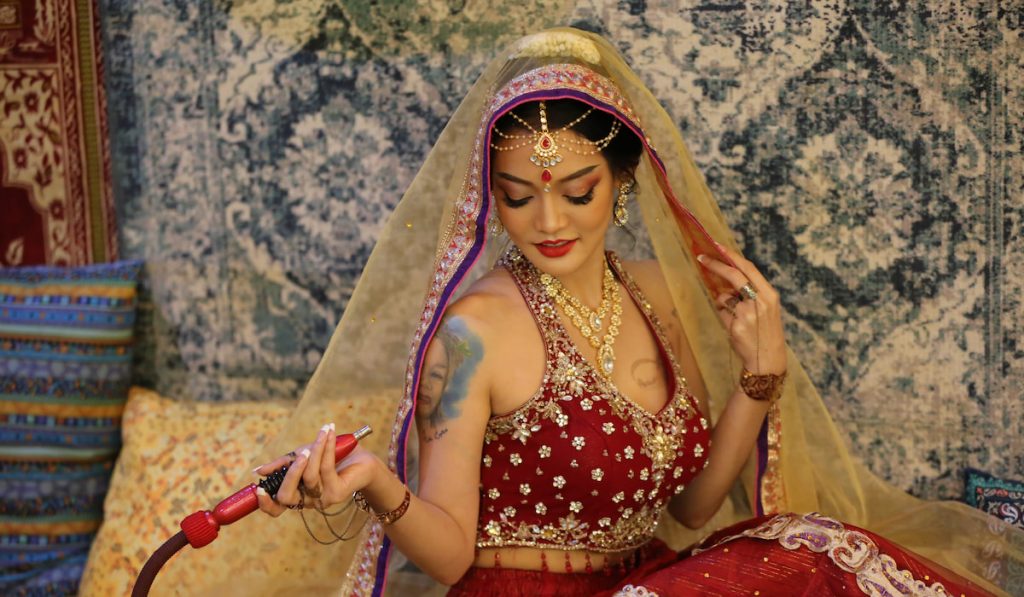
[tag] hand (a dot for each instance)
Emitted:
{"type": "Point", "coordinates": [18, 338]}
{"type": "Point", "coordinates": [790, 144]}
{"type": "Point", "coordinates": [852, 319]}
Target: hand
{"type": "Point", "coordinates": [324, 482]}
{"type": "Point", "coordinates": [755, 325]}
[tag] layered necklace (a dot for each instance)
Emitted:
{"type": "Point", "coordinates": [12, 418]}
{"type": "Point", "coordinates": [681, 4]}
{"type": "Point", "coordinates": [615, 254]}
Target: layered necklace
{"type": "Point", "coordinates": [591, 323]}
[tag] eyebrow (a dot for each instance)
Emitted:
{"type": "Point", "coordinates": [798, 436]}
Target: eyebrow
{"type": "Point", "coordinates": [573, 176]}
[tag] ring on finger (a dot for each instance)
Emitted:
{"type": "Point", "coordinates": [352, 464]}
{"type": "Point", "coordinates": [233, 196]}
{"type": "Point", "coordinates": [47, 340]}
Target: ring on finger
{"type": "Point", "coordinates": [302, 499]}
{"type": "Point", "coordinates": [313, 492]}
{"type": "Point", "coordinates": [748, 292]}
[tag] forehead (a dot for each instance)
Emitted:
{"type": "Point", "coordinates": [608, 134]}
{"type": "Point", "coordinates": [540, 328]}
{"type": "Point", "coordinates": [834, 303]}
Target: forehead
{"type": "Point", "coordinates": [514, 159]}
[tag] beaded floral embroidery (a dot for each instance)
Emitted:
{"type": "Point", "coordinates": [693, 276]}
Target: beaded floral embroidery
{"type": "Point", "coordinates": [598, 469]}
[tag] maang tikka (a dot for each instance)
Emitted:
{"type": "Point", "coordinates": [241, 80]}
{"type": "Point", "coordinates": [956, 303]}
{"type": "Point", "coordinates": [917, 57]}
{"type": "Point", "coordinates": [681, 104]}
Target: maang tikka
{"type": "Point", "coordinates": [546, 142]}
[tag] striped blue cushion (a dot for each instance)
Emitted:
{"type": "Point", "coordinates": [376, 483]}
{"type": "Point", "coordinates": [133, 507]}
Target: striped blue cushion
{"type": "Point", "coordinates": [66, 339]}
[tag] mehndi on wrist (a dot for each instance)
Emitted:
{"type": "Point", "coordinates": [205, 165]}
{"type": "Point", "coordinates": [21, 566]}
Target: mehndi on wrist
{"type": "Point", "coordinates": [386, 517]}
{"type": "Point", "coordinates": [766, 387]}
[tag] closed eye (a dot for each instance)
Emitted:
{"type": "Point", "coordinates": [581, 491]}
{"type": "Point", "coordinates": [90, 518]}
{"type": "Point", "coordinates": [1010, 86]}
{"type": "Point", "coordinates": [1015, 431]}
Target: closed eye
{"type": "Point", "coordinates": [515, 203]}
{"type": "Point", "coordinates": [582, 199]}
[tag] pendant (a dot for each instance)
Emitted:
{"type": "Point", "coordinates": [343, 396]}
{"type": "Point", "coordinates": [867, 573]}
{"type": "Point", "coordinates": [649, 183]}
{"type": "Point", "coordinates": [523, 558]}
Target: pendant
{"type": "Point", "coordinates": [606, 359]}
{"type": "Point", "coordinates": [595, 322]}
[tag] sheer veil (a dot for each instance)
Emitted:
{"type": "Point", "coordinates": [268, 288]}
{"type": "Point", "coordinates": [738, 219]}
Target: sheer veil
{"type": "Point", "coordinates": [436, 244]}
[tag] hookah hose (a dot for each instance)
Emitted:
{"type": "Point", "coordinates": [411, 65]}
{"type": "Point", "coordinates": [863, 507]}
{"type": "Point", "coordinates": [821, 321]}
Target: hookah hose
{"type": "Point", "coordinates": [200, 528]}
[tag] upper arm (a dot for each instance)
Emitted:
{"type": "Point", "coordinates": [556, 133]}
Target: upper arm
{"type": "Point", "coordinates": [452, 410]}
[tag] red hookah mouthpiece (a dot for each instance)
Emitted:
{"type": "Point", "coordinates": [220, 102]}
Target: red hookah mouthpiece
{"type": "Point", "coordinates": [201, 527]}
{"type": "Point", "coordinates": [344, 444]}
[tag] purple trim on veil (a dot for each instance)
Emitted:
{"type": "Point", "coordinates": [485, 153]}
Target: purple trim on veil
{"type": "Point", "coordinates": [403, 436]}
{"type": "Point", "coordinates": [762, 466]}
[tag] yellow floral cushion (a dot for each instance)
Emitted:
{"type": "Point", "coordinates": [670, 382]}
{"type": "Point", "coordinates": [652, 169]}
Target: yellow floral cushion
{"type": "Point", "coordinates": [177, 457]}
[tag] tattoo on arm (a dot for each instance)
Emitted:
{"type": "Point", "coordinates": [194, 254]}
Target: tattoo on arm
{"type": "Point", "coordinates": [444, 385]}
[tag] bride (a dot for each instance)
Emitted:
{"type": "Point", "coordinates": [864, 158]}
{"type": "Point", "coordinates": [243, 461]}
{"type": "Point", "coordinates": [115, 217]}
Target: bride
{"type": "Point", "coordinates": [570, 403]}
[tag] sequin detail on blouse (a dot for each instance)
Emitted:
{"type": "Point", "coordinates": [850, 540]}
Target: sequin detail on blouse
{"type": "Point", "coordinates": [579, 465]}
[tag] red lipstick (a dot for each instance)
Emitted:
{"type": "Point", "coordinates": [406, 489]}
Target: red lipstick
{"type": "Point", "coordinates": [555, 248]}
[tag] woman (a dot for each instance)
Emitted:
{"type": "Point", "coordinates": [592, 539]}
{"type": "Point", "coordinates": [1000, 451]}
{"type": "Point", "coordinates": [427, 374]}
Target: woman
{"type": "Point", "coordinates": [564, 399]}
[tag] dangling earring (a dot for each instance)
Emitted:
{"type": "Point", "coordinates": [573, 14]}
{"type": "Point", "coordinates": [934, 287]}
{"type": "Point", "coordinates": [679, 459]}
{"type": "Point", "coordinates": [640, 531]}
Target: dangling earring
{"type": "Point", "coordinates": [621, 214]}
{"type": "Point", "coordinates": [494, 225]}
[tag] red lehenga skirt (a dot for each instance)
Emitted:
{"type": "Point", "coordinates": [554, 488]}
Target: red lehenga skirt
{"type": "Point", "coordinates": [784, 555]}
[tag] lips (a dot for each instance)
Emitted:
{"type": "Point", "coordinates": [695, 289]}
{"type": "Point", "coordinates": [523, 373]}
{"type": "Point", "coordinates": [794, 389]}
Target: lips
{"type": "Point", "coordinates": [555, 248]}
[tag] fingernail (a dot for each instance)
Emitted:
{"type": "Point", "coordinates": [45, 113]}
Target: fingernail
{"type": "Point", "coordinates": [332, 426]}
{"type": "Point", "coordinates": [326, 427]}
{"type": "Point", "coordinates": [718, 244]}
{"type": "Point", "coordinates": [261, 491]}
{"type": "Point", "coordinates": [305, 452]}
{"type": "Point", "coordinates": [702, 258]}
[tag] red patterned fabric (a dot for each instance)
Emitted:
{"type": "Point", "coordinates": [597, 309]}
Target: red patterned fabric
{"type": "Point", "coordinates": [747, 559]}
{"type": "Point", "coordinates": [55, 185]}
{"type": "Point", "coordinates": [581, 466]}
{"type": "Point", "coordinates": [810, 555]}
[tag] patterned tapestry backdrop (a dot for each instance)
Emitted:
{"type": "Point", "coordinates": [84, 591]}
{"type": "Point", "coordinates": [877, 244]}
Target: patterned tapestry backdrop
{"type": "Point", "coordinates": [869, 155]}
{"type": "Point", "coordinates": [56, 205]}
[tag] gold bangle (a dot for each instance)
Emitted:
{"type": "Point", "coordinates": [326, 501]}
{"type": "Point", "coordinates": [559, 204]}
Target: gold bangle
{"type": "Point", "coordinates": [762, 386]}
{"type": "Point", "coordinates": [387, 517]}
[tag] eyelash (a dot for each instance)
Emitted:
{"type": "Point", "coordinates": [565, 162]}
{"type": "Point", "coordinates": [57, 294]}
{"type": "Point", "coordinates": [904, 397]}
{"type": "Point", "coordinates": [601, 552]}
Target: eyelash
{"type": "Point", "coordinates": [580, 200]}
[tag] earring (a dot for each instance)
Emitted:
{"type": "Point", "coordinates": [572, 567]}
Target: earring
{"type": "Point", "coordinates": [621, 214]}
{"type": "Point", "coordinates": [494, 225]}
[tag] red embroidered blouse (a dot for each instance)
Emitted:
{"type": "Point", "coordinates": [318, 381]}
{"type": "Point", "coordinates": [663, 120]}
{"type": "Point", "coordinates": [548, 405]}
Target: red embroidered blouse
{"type": "Point", "coordinates": [579, 465]}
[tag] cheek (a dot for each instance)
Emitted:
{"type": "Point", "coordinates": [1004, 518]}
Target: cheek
{"type": "Point", "coordinates": [599, 211]}
{"type": "Point", "coordinates": [511, 217]}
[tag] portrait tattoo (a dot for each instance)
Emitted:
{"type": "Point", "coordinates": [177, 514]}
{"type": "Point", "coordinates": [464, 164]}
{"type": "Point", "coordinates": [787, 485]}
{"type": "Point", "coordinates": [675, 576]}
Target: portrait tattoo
{"type": "Point", "coordinates": [444, 383]}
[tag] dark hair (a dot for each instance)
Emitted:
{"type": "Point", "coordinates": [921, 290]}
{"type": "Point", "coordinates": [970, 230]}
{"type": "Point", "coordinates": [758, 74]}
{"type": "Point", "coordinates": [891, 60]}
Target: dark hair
{"type": "Point", "coordinates": [623, 152]}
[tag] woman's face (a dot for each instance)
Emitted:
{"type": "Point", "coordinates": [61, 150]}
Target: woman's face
{"type": "Point", "coordinates": [559, 230]}
{"type": "Point", "coordinates": [428, 401]}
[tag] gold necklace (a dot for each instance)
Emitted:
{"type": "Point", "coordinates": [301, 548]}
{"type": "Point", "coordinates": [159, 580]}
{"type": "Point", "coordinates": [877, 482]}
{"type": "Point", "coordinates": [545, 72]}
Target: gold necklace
{"type": "Point", "coordinates": [590, 322]}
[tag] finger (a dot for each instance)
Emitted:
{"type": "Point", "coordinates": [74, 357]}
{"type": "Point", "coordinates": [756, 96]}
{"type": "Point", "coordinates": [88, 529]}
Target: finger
{"type": "Point", "coordinates": [730, 274]}
{"type": "Point", "coordinates": [727, 301]}
{"type": "Point", "coordinates": [328, 469]}
{"type": "Point", "coordinates": [288, 493]}
{"type": "Point", "coordinates": [268, 505]}
{"type": "Point", "coordinates": [273, 465]}
{"type": "Point", "coordinates": [311, 476]}
{"type": "Point", "coordinates": [748, 269]}
{"type": "Point", "coordinates": [725, 310]}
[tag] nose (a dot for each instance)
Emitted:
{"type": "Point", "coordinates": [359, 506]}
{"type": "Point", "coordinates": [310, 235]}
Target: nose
{"type": "Point", "coordinates": [550, 217]}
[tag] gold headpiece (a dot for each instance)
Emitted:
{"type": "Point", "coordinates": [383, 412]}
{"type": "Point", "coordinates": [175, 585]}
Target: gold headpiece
{"type": "Point", "coordinates": [546, 143]}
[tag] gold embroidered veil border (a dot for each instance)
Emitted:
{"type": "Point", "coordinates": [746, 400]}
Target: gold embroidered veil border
{"type": "Point", "coordinates": [423, 258]}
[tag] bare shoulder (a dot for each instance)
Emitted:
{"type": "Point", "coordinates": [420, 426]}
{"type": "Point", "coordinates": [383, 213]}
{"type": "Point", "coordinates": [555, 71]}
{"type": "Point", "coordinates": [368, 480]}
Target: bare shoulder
{"type": "Point", "coordinates": [489, 302]}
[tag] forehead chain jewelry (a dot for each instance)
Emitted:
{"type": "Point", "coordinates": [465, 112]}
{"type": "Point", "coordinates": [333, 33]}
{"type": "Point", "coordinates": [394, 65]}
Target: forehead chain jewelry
{"type": "Point", "coordinates": [546, 142]}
